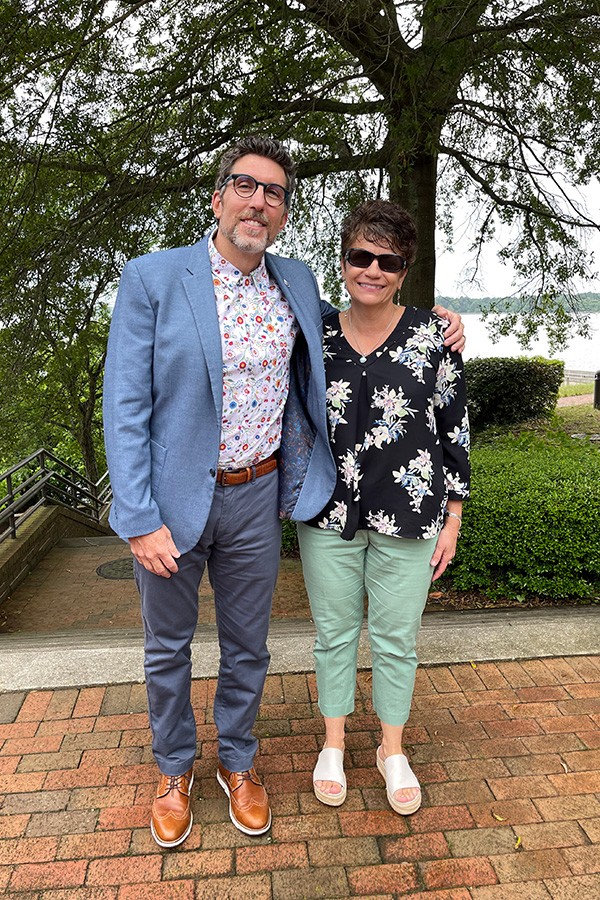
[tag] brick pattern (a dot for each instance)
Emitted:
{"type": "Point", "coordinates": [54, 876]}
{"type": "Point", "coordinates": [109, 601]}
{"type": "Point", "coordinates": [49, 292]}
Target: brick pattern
{"type": "Point", "coordinates": [34, 538]}
{"type": "Point", "coordinates": [508, 755]}
{"type": "Point", "coordinates": [49, 598]}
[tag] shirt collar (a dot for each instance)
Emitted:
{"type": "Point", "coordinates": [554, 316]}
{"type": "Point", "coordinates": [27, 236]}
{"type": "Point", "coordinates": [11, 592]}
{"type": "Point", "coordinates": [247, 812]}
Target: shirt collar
{"type": "Point", "coordinates": [229, 271]}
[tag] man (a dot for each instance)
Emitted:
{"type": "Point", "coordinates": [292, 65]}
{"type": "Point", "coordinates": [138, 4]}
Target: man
{"type": "Point", "coordinates": [213, 429]}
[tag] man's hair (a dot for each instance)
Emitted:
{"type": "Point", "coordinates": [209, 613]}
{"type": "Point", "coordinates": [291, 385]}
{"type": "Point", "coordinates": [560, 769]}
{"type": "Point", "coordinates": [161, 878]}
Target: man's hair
{"type": "Point", "coordinates": [258, 145]}
{"type": "Point", "coordinates": [383, 223]}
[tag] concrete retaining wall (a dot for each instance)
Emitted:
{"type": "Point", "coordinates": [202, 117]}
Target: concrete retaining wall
{"type": "Point", "coordinates": [36, 537]}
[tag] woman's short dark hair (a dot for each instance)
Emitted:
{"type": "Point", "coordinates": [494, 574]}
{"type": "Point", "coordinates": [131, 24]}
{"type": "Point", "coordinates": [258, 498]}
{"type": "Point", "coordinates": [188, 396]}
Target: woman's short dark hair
{"type": "Point", "coordinates": [258, 145]}
{"type": "Point", "coordinates": [383, 223]}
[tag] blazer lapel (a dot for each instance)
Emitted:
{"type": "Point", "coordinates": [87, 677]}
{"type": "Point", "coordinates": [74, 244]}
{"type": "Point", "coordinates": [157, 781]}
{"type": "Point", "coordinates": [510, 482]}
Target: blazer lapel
{"type": "Point", "coordinates": [200, 292]}
{"type": "Point", "coordinates": [293, 292]}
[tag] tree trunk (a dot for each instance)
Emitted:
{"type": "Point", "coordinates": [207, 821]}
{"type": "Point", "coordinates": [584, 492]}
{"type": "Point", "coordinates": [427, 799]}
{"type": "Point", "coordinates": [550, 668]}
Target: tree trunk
{"type": "Point", "coordinates": [85, 439]}
{"type": "Point", "coordinates": [415, 190]}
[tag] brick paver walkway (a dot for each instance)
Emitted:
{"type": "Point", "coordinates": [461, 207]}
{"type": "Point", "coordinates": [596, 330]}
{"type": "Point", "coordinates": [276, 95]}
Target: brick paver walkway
{"type": "Point", "coordinates": [64, 591]}
{"type": "Point", "coordinates": [508, 755]}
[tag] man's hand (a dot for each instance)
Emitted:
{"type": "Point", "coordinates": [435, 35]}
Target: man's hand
{"type": "Point", "coordinates": [156, 551]}
{"type": "Point", "coordinates": [454, 337]}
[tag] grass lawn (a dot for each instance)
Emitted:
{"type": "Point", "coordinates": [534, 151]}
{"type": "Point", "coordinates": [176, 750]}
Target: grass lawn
{"type": "Point", "coordinates": [575, 390]}
{"type": "Point", "coordinates": [568, 420]}
{"type": "Point", "coordinates": [578, 419]}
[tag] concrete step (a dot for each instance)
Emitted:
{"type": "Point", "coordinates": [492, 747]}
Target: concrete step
{"type": "Point", "coordinates": [114, 656]}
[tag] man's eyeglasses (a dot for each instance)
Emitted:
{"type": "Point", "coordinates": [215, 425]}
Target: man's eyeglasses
{"type": "Point", "coordinates": [362, 259]}
{"type": "Point", "coordinates": [246, 186]}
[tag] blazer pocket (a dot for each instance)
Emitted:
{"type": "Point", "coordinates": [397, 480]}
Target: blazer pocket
{"type": "Point", "coordinates": [158, 454]}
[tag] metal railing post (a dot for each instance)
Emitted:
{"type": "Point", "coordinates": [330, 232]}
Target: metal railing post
{"type": "Point", "coordinates": [43, 469]}
{"type": "Point", "coordinates": [12, 522]}
{"type": "Point", "coordinates": [94, 492]}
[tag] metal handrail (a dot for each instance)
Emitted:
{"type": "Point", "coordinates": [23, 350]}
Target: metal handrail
{"type": "Point", "coordinates": [22, 518]}
{"type": "Point", "coordinates": [24, 462]}
{"type": "Point", "coordinates": [25, 499]}
{"type": "Point", "coordinates": [22, 486]}
{"type": "Point", "coordinates": [67, 488]}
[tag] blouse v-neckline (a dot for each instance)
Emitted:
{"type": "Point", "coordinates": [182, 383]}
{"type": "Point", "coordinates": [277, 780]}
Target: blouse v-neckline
{"type": "Point", "coordinates": [367, 359]}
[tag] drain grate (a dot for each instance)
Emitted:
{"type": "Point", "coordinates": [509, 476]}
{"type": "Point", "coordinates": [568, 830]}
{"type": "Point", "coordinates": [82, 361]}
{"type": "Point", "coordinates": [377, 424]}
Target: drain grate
{"type": "Point", "coordinates": [116, 569]}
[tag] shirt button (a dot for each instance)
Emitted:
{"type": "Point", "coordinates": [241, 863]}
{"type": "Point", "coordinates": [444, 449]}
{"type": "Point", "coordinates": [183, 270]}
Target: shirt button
{"type": "Point", "coordinates": [212, 472]}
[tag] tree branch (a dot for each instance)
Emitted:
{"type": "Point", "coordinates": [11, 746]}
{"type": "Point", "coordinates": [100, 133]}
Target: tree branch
{"type": "Point", "coordinates": [320, 104]}
{"type": "Point", "coordinates": [534, 18]}
{"type": "Point", "coordinates": [507, 201]}
{"type": "Point", "coordinates": [94, 36]}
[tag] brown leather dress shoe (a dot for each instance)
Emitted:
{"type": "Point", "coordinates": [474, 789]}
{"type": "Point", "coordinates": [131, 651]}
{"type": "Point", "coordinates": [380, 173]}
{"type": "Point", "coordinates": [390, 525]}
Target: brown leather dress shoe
{"type": "Point", "coordinates": [171, 813]}
{"type": "Point", "coordinates": [249, 808]}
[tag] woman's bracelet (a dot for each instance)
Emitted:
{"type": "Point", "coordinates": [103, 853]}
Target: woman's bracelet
{"type": "Point", "coordinates": [451, 515]}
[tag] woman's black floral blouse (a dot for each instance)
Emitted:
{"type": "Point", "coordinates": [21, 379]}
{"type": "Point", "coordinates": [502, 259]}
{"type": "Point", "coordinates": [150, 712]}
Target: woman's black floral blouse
{"type": "Point", "coordinates": [399, 430]}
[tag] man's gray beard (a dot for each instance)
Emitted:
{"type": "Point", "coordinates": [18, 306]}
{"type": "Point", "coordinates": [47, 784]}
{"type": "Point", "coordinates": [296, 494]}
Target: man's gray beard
{"type": "Point", "coordinates": [249, 244]}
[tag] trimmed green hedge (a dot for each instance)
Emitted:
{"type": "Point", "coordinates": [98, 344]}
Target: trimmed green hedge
{"type": "Point", "coordinates": [504, 391]}
{"type": "Point", "coordinates": [532, 525]}
{"type": "Point", "coordinates": [289, 537]}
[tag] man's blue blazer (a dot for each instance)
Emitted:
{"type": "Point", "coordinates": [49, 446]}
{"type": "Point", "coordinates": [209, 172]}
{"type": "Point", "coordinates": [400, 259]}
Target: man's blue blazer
{"type": "Point", "coordinates": [163, 392]}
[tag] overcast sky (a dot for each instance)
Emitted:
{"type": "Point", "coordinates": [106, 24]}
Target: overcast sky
{"type": "Point", "coordinates": [453, 278]}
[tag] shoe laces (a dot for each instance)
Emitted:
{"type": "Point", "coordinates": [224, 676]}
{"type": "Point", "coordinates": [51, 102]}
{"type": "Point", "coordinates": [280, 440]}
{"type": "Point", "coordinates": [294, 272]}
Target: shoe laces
{"type": "Point", "coordinates": [245, 776]}
{"type": "Point", "coordinates": [175, 782]}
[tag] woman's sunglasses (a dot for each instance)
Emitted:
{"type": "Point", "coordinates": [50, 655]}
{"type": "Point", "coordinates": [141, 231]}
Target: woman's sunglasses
{"type": "Point", "coordinates": [387, 262]}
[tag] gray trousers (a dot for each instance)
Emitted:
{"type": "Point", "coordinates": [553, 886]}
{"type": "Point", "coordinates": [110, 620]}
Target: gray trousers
{"type": "Point", "coordinates": [241, 548]}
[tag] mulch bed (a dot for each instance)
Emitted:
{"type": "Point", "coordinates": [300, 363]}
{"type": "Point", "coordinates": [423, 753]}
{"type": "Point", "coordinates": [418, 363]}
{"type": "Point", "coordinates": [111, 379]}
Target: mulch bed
{"type": "Point", "coordinates": [447, 598]}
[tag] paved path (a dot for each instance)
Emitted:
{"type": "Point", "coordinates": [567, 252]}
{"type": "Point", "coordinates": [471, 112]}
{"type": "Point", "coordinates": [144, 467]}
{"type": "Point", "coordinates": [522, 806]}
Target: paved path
{"type": "Point", "coordinates": [64, 591]}
{"type": "Point", "coordinates": [508, 755]}
{"type": "Point", "coordinates": [576, 400]}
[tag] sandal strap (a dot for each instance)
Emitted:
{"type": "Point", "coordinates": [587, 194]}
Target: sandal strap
{"type": "Point", "coordinates": [398, 774]}
{"type": "Point", "coordinates": [330, 766]}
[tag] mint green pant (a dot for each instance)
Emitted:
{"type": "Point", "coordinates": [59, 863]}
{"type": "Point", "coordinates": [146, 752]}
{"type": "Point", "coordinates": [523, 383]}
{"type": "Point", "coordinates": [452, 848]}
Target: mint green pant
{"type": "Point", "coordinates": [396, 575]}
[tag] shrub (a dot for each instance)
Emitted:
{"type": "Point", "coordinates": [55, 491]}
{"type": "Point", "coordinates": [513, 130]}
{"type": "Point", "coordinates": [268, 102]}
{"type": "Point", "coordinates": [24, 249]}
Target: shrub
{"type": "Point", "coordinates": [289, 538]}
{"type": "Point", "coordinates": [505, 391]}
{"type": "Point", "coordinates": [532, 525]}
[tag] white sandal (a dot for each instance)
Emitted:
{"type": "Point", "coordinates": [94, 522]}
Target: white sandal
{"type": "Point", "coordinates": [330, 767]}
{"type": "Point", "coordinates": [398, 777]}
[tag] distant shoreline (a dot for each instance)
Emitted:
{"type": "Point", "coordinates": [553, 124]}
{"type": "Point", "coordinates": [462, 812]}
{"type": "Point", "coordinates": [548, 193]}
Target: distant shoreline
{"type": "Point", "coordinates": [578, 353]}
{"type": "Point", "coordinates": [590, 303]}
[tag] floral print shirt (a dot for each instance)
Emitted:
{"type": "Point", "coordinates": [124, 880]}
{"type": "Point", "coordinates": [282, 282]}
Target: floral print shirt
{"type": "Point", "coordinates": [258, 330]}
{"type": "Point", "coordinates": [399, 430]}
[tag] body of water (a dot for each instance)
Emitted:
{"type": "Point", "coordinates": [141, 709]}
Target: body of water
{"type": "Point", "coordinates": [580, 353]}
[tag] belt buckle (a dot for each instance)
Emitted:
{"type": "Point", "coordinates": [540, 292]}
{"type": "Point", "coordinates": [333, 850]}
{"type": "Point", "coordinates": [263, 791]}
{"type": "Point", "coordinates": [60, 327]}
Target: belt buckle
{"type": "Point", "coordinates": [248, 471]}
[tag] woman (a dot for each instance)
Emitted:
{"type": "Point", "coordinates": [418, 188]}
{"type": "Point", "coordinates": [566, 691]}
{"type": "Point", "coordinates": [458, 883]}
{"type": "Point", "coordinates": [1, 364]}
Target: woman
{"type": "Point", "coordinates": [399, 436]}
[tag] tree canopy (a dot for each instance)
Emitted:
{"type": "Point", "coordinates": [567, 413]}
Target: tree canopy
{"type": "Point", "coordinates": [114, 112]}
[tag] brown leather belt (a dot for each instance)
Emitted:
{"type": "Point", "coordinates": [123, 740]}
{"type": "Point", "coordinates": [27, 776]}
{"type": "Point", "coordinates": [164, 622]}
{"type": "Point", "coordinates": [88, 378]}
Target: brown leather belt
{"type": "Point", "coordinates": [241, 476]}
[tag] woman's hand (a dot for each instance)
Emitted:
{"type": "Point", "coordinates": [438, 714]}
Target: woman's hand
{"type": "Point", "coordinates": [445, 547]}
{"type": "Point", "coordinates": [454, 336]}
